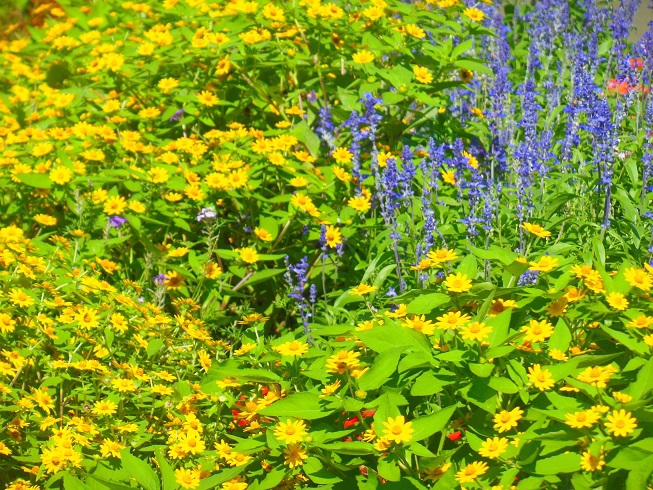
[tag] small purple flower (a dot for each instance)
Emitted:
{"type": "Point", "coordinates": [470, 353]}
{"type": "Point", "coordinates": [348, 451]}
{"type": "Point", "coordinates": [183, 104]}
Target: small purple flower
{"type": "Point", "coordinates": [206, 213]}
{"type": "Point", "coordinates": [159, 279]}
{"type": "Point", "coordinates": [117, 221]}
{"type": "Point", "coordinates": [177, 115]}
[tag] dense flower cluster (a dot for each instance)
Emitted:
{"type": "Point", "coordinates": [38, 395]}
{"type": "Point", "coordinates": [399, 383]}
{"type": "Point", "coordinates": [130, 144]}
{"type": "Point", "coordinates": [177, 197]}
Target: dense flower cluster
{"type": "Point", "coordinates": [286, 245]}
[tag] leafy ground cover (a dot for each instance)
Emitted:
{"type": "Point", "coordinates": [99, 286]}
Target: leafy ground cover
{"type": "Point", "coordinates": [379, 244]}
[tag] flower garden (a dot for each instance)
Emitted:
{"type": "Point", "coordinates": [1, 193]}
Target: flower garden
{"type": "Point", "coordinates": [376, 245]}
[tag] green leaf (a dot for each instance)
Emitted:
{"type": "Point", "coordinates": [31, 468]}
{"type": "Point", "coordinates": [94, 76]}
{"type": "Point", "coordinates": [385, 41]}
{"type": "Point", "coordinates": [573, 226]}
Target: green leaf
{"type": "Point", "coordinates": [427, 426]}
{"type": "Point", "coordinates": [306, 135]}
{"type": "Point", "coordinates": [503, 385]}
{"type": "Point", "coordinates": [355, 447]}
{"type": "Point", "coordinates": [306, 406]}
{"type": "Point", "coordinates": [40, 181]}
{"type": "Point", "coordinates": [426, 303]}
{"type": "Point", "coordinates": [389, 337]}
{"type": "Point", "coordinates": [383, 367]}
{"type": "Point", "coordinates": [561, 463]}
{"type": "Point", "coordinates": [219, 478]}
{"type": "Point", "coordinates": [389, 469]}
{"type": "Point", "coordinates": [139, 470]}
{"type": "Point", "coordinates": [644, 383]}
{"type": "Point", "coordinates": [167, 474]}
{"type": "Point", "coordinates": [154, 345]}
{"type": "Point", "coordinates": [72, 483]}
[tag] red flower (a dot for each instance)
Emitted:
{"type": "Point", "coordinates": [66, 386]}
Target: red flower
{"type": "Point", "coordinates": [636, 63]}
{"type": "Point", "coordinates": [369, 413]}
{"type": "Point", "coordinates": [351, 421]}
{"type": "Point", "coordinates": [621, 88]}
{"type": "Point", "coordinates": [455, 436]}
{"type": "Point", "coordinates": [243, 422]}
{"type": "Point", "coordinates": [265, 390]}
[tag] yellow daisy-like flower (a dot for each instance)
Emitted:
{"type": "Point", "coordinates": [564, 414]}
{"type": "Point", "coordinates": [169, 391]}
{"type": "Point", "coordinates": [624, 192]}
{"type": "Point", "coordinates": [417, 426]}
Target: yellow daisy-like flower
{"type": "Point", "coordinates": [248, 255]}
{"type": "Point", "coordinates": [620, 423]}
{"type": "Point", "coordinates": [617, 301]}
{"type": "Point", "coordinates": [639, 278]}
{"type": "Point", "coordinates": [581, 420]}
{"type": "Point", "coordinates": [536, 230]}
{"type": "Point", "coordinates": [506, 420]}
{"type": "Point", "coordinates": [542, 379]}
{"type": "Point", "coordinates": [207, 98]}
{"type": "Point", "coordinates": [420, 323]}
{"type": "Point", "coordinates": [474, 14]}
{"type": "Point", "coordinates": [294, 348]}
{"type": "Point", "coordinates": [295, 455]}
{"type": "Point", "coordinates": [622, 397]}
{"type": "Point", "coordinates": [597, 376]}
{"type": "Point", "coordinates": [187, 478]}
{"type": "Point", "coordinates": [537, 331]}
{"type": "Point", "coordinates": [342, 155]}
{"type": "Point", "coordinates": [478, 331]}
{"type": "Point", "coordinates": [363, 57]}
{"type": "Point", "coordinates": [398, 430]}
{"type": "Point", "coordinates": [435, 473]}
{"type": "Point", "coordinates": [290, 431]}
{"type": "Point", "coordinates": [590, 462]}
{"type": "Point", "coordinates": [500, 305]}
{"type": "Point", "coordinates": [333, 236]}
{"type": "Point", "coordinates": [493, 447]}
{"type": "Point", "coordinates": [20, 298]}
{"type": "Point", "coordinates": [441, 256]}
{"type": "Point", "coordinates": [362, 289]}
{"type": "Point", "coordinates": [458, 283]}
{"type": "Point", "coordinates": [422, 74]}
{"type": "Point", "coordinates": [452, 319]}
{"type": "Point", "coordinates": [545, 264]}
{"type": "Point", "coordinates": [359, 203]}
{"type": "Point", "coordinates": [471, 472]}
{"type": "Point", "coordinates": [45, 220]}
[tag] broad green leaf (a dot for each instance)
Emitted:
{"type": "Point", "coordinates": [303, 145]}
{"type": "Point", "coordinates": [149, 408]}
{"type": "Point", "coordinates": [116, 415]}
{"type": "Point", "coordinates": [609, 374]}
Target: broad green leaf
{"type": "Point", "coordinates": [306, 406]}
{"type": "Point", "coordinates": [139, 470]}
{"type": "Point", "coordinates": [383, 367]}
{"type": "Point", "coordinates": [430, 424]}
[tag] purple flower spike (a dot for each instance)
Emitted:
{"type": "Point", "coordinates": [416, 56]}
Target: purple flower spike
{"type": "Point", "coordinates": [177, 115]}
{"type": "Point", "coordinates": [117, 221]}
{"type": "Point", "coordinates": [159, 279]}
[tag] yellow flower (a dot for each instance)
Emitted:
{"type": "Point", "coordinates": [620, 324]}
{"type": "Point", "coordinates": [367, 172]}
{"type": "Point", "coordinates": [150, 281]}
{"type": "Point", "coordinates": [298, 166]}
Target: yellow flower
{"type": "Point", "coordinates": [123, 385]}
{"type": "Point", "coordinates": [545, 264]}
{"type": "Point", "coordinates": [332, 236]}
{"type": "Point", "coordinates": [452, 319]}
{"type": "Point", "coordinates": [362, 289]}
{"type": "Point", "coordinates": [622, 397]}
{"type": "Point", "coordinates": [541, 378]}
{"type": "Point", "coordinates": [61, 175]}
{"type": "Point", "coordinates": [341, 361]}
{"type": "Point", "coordinates": [442, 255]}
{"type": "Point", "coordinates": [167, 84]}
{"type": "Point", "coordinates": [435, 473]}
{"type": "Point", "coordinates": [104, 407]}
{"type": "Point", "coordinates": [207, 98]}
{"type": "Point", "coordinates": [639, 278]}
{"type": "Point", "coordinates": [294, 348]}
{"type": "Point", "coordinates": [115, 205]}
{"type": "Point", "coordinates": [420, 323]}
{"type": "Point", "coordinates": [458, 283]}
{"type": "Point", "coordinates": [248, 255]}
{"type": "Point", "coordinates": [506, 420]}
{"type": "Point", "coordinates": [476, 331]}
{"type": "Point", "coordinates": [448, 176]}
{"type": "Point", "coordinates": [537, 331]}
{"type": "Point", "coordinates": [398, 430]}
{"type": "Point", "coordinates": [500, 305]}
{"type": "Point", "coordinates": [642, 321]}
{"type": "Point", "coordinates": [331, 388]}
{"type": "Point", "coordinates": [589, 462]}
{"type": "Point", "coordinates": [597, 376]}
{"type": "Point", "coordinates": [359, 203]}
{"type": "Point", "coordinates": [580, 420]}
{"type": "Point", "coordinates": [363, 57]}
{"type": "Point", "coordinates": [422, 74]}
{"type": "Point", "coordinates": [474, 14]}
{"type": "Point", "coordinates": [536, 230]}
{"type": "Point", "coordinates": [617, 301]}
{"type": "Point", "coordinates": [45, 220]}
{"type": "Point", "coordinates": [111, 448]}
{"type": "Point", "coordinates": [290, 432]}
{"type": "Point", "coordinates": [620, 423]}
{"type": "Point", "coordinates": [471, 472]}
{"type": "Point", "coordinates": [294, 455]}
{"type": "Point", "coordinates": [342, 155]}
{"type": "Point", "coordinates": [187, 478]}
{"type": "Point", "coordinates": [493, 448]}
{"type": "Point", "coordinates": [20, 298]}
